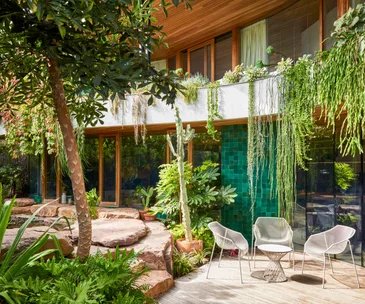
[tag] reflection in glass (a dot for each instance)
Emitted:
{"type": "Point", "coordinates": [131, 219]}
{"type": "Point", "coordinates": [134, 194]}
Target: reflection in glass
{"type": "Point", "coordinates": [206, 148]}
{"type": "Point", "coordinates": [50, 176]}
{"type": "Point", "coordinates": [91, 163]}
{"type": "Point", "coordinates": [140, 165]}
{"type": "Point", "coordinates": [35, 181]}
{"type": "Point", "coordinates": [109, 168]}
{"type": "Point", "coordinates": [320, 176]}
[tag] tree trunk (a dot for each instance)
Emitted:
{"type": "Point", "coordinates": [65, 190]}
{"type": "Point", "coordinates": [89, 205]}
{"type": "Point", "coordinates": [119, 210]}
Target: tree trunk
{"type": "Point", "coordinates": [73, 159]}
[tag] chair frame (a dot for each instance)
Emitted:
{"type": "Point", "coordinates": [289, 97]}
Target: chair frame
{"type": "Point", "coordinates": [225, 239]}
{"type": "Point", "coordinates": [327, 252]}
{"type": "Point", "coordinates": [254, 246]}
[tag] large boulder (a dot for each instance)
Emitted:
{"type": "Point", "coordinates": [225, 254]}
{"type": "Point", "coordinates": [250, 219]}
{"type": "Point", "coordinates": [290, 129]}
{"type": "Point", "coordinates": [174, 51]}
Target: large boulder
{"type": "Point", "coordinates": [115, 232]}
{"type": "Point", "coordinates": [129, 213]}
{"type": "Point", "coordinates": [156, 247]}
{"type": "Point", "coordinates": [31, 234]}
{"type": "Point", "coordinates": [48, 210]}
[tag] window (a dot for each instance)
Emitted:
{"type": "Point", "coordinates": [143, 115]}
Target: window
{"type": "Point", "coordinates": [200, 60]}
{"type": "Point", "coordinates": [223, 55]}
{"type": "Point", "coordinates": [294, 31]}
{"type": "Point", "coordinates": [171, 63]}
{"type": "Point", "coordinates": [330, 7]}
{"type": "Point", "coordinates": [254, 43]}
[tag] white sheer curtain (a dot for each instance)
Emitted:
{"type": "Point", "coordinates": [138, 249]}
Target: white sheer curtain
{"type": "Point", "coordinates": [254, 43]}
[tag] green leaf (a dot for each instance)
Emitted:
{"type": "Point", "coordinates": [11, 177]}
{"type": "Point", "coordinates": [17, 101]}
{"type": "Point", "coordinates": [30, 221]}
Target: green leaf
{"type": "Point", "coordinates": [62, 30]}
{"type": "Point", "coordinates": [97, 80]}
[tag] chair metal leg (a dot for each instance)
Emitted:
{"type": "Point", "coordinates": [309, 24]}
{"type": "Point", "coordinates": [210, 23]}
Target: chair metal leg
{"type": "Point", "coordinates": [220, 257]}
{"type": "Point", "coordinates": [324, 269]}
{"type": "Point", "coordinates": [254, 255]}
{"type": "Point", "coordinates": [303, 262]}
{"type": "Point", "coordinates": [239, 262]}
{"type": "Point", "coordinates": [210, 262]}
{"type": "Point", "coordinates": [248, 259]}
{"type": "Point", "coordinates": [293, 258]}
{"type": "Point", "coordinates": [329, 258]}
{"type": "Point", "coordinates": [353, 262]}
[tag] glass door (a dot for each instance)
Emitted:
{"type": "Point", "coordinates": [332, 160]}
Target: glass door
{"type": "Point", "coordinates": [108, 169]}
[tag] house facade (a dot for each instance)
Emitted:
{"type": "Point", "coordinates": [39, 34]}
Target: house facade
{"type": "Point", "coordinates": [211, 39]}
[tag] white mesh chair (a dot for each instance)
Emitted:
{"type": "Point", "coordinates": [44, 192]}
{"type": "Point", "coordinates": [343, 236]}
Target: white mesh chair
{"type": "Point", "coordinates": [332, 241]}
{"type": "Point", "coordinates": [271, 230]}
{"type": "Point", "coordinates": [228, 239]}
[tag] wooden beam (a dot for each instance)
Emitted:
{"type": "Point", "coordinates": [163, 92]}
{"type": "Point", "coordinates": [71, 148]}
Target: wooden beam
{"type": "Point", "coordinates": [179, 63]}
{"type": "Point", "coordinates": [101, 167]}
{"type": "Point", "coordinates": [58, 180]}
{"type": "Point", "coordinates": [212, 60]}
{"type": "Point", "coordinates": [118, 167]}
{"type": "Point", "coordinates": [321, 24]}
{"type": "Point", "coordinates": [342, 7]}
{"type": "Point", "coordinates": [44, 173]}
{"type": "Point", "coordinates": [235, 47]}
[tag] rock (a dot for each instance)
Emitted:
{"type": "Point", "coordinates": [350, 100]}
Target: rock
{"type": "Point", "coordinates": [67, 211]}
{"type": "Point", "coordinates": [118, 213]}
{"type": "Point", "coordinates": [115, 232]}
{"type": "Point", "coordinates": [156, 247]}
{"type": "Point", "coordinates": [18, 219]}
{"type": "Point", "coordinates": [21, 210]}
{"type": "Point", "coordinates": [31, 235]}
{"type": "Point", "coordinates": [23, 202]}
{"type": "Point", "coordinates": [49, 210]}
{"type": "Point", "coordinates": [158, 281]}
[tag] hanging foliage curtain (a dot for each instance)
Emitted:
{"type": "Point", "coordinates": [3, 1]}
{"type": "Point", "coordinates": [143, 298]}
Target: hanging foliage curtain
{"type": "Point", "coordinates": [254, 43]}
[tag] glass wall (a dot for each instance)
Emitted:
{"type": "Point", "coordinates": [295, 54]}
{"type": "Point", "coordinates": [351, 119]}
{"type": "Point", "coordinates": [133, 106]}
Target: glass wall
{"type": "Point", "coordinates": [330, 7]}
{"type": "Point", "coordinates": [109, 147]}
{"type": "Point", "coordinates": [206, 148]}
{"type": "Point", "coordinates": [50, 176]}
{"type": "Point", "coordinates": [140, 165]}
{"type": "Point", "coordinates": [91, 163]}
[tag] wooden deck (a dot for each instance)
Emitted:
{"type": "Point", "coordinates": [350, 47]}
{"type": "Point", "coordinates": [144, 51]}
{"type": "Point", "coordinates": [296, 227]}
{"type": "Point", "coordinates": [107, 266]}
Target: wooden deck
{"type": "Point", "coordinates": [224, 286]}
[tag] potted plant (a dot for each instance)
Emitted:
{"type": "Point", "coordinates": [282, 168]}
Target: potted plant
{"type": "Point", "coordinates": [187, 244]}
{"type": "Point", "coordinates": [146, 195]}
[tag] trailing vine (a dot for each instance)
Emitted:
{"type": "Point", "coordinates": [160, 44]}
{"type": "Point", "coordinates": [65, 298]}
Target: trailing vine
{"type": "Point", "coordinates": [139, 115]}
{"type": "Point", "coordinates": [213, 108]}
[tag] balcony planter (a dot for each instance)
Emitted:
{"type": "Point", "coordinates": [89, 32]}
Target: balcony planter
{"type": "Point", "coordinates": [185, 246]}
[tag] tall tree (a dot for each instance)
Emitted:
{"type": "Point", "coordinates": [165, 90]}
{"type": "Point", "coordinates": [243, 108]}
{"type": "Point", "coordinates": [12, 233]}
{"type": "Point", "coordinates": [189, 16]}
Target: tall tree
{"type": "Point", "coordinates": [74, 54]}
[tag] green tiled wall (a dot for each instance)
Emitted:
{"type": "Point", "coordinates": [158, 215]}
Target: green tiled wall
{"type": "Point", "coordinates": [234, 172]}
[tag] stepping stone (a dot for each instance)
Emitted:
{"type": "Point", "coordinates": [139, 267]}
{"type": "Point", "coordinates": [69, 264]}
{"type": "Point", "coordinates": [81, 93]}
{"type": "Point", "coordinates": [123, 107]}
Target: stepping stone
{"type": "Point", "coordinates": [24, 202]}
{"type": "Point", "coordinates": [67, 211]}
{"type": "Point", "coordinates": [115, 232]}
{"type": "Point", "coordinates": [31, 234]}
{"type": "Point", "coordinates": [49, 210]}
{"type": "Point", "coordinates": [118, 213]}
{"type": "Point", "coordinates": [158, 281]}
{"type": "Point", "coordinates": [21, 210]}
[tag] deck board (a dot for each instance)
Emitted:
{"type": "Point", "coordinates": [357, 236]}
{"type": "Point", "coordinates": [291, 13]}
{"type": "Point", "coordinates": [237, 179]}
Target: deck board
{"type": "Point", "coordinates": [224, 286]}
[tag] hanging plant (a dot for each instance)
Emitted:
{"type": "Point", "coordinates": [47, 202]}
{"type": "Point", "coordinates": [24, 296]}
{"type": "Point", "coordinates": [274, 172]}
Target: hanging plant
{"type": "Point", "coordinates": [139, 116]}
{"type": "Point", "coordinates": [213, 108]}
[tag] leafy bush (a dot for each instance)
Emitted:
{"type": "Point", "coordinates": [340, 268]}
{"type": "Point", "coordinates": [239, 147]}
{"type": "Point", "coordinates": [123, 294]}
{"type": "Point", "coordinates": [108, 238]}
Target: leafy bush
{"type": "Point", "coordinates": [98, 279]}
{"type": "Point", "coordinates": [183, 263]}
{"type": "Point", "coordinates": [93, 199]}
{"type": "Point", "coordinates": [203, 193]}
{"type": "Point", "coordinates": [192, 84]}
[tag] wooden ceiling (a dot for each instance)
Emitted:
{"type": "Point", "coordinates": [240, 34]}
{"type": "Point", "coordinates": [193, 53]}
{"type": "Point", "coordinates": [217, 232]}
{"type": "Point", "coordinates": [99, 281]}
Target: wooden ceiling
{"type": "Point", "coordinates": [210, 18]}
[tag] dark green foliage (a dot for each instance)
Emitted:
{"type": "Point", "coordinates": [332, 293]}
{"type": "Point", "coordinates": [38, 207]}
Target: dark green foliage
{"type": "Point", "coordinates": [98, 279]}
{"type": "Point", "coordinates": [182, 263]}
{"type": "Point", "coordinates": [101, 48]}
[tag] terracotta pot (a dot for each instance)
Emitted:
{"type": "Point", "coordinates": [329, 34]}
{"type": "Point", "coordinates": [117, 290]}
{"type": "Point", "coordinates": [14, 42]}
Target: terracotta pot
{"type": "Point", "coordinates": [149, 217]}
{"type": "Point", "coordinates": [142, 213]}
{"type": "Point", "coordinates": [185, 246]}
